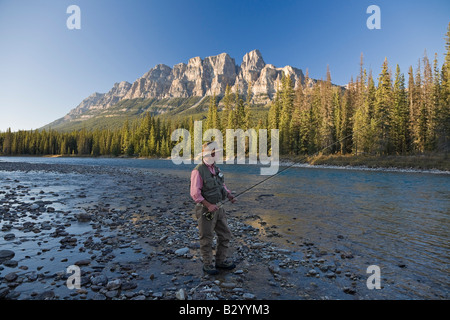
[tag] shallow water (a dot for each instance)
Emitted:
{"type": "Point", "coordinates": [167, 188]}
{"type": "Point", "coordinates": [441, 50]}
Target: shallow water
{"type": "Point", "coordinates": [396, 220]}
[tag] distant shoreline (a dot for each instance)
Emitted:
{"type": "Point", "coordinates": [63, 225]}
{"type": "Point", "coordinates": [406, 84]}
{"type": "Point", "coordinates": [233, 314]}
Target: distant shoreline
{"type": "Point", "coordinates": [431, 163]}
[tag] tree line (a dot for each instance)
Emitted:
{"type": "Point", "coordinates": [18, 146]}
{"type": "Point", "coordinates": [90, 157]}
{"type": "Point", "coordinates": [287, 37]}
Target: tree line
{"type": "Point", "coordinates": [392, 116]}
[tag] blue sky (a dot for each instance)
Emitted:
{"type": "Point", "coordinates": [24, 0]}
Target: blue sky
{"type": "Point", "coordinates": [47, 69]}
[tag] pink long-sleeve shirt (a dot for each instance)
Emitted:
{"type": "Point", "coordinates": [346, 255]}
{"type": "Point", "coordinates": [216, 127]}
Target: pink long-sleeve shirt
{"type": "Point", "coordinates": [197, 184]}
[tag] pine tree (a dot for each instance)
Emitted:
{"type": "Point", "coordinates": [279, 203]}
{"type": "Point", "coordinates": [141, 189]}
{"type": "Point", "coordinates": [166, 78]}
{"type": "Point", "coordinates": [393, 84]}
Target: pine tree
{"type": "Point", "coordinates": [400, 114]}
{"type": "Point", "coordinates": [383, 109]}
{"type": "Point", "coordinates": [212, 120]}
{"type": "Point", "coordinates": [274, 111]}
{"type": "Point", "coordinates": [287, 100]}
{"type": "Point", "coordinates": [296, 120]}
{"type": "Point", "coordinates": [413, 103]}
{"type": "Point", "coordinates": [428, 105]}
{"type": "Point", "coordinates": [247, 108]}
{"type": "Point", "coordinates": [227, 107]}
{"type": "Point", "coordinates": [444, 110]}
{"type": "Point", "coordinates": [315, 119]}
{"type": "Point", "coordinates": [326, 130]}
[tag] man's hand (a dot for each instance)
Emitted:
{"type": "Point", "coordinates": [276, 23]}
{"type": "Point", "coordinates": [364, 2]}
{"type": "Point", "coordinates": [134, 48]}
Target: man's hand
{"type": "Point", "coordinates": [231, 198]}
{"type": "Point", "coordinates": [211, 207]}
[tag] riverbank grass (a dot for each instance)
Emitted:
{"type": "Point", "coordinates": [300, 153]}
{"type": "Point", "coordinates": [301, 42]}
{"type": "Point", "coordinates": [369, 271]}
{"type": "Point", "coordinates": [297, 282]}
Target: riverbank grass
{"type": "Point", "coordinates": [423, 162]}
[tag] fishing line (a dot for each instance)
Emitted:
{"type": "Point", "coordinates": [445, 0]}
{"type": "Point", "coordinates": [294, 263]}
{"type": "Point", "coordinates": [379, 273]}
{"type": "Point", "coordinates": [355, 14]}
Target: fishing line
{"type": "Point", "coordinates": [298, 161]}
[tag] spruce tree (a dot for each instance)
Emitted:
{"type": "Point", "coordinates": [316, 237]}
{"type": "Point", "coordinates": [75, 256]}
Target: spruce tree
{"type": "Point", "coordinates": [400, 114]}
{"type": "Point", "coordinates": [383, 109]}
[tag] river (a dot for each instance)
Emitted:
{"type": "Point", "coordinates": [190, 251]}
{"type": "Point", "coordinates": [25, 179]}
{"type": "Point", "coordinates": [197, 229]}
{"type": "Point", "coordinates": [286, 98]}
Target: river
{"type": "Point", "coordinates": [396, 220]}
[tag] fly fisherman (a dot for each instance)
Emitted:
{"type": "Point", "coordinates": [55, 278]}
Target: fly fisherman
{"type": "Point", "coordinates": [209, 191]}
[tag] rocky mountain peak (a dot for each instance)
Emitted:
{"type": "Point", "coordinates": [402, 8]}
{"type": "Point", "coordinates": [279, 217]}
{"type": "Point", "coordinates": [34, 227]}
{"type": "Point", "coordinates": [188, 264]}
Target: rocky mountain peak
{"type": "Point", "coordinates": [200, 78]}
{"type": "Point", "coordinates": [253, 61]}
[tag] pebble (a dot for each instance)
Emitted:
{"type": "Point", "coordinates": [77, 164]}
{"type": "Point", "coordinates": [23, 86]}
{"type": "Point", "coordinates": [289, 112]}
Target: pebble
{"type": "Point", "coordinates": [10, 263]}
{"type": "Point", "coordinates": [114, 284]}
{"type": "Point", "coordinates": [83, 262]}
{"type": "Point", "coordinates": [46, 295]}
{"type": "Point", "coordinates": [349, 290]}
{"type": "Point", "coordinates": [99, 280]}
{"type": "Point", "coordinates": [228, 285]}
{"type": "Point", "coordinates": [181, 294]}
{"type": "Point", "coordinates": [6, 255]}
{"type": "Point", "coordinates": [9, 236]}
{"type": "Point", "coordinates": [248, 296]}
{"type": "Point", "coordinates": [10, 277]}
{"type": "Point", "coordinates": [182, 251]}
{"type": "Point", "coordinates": [111, 293]}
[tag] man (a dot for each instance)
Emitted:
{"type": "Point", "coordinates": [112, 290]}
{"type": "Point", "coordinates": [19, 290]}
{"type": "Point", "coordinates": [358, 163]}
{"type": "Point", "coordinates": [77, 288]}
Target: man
{"type": "Point", "coordinates": [208, 191]}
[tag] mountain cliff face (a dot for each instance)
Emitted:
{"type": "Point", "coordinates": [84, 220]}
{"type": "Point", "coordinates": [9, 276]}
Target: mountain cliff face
{"type": "Point", "coordinates": [197, 78]}
{"type": "Point", "coordinates": [211, 76]}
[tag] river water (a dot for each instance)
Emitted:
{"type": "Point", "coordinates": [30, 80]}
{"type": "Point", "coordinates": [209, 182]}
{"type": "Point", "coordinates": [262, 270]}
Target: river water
{"type": "Point", "coordinates": [396, 220]}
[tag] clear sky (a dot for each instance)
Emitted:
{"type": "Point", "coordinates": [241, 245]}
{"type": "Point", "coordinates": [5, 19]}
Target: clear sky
{"type": "Point", "coordinates": [46, 69]}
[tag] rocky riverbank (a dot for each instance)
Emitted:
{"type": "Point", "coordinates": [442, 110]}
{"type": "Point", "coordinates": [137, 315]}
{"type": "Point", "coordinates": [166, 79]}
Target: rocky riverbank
{"type": "Point", "coordinates": [134, 236]}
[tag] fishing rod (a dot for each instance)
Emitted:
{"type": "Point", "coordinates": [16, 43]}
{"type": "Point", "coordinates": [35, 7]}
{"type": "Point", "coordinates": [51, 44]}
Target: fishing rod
{"type": "Point", "coordinates": [298, 161]}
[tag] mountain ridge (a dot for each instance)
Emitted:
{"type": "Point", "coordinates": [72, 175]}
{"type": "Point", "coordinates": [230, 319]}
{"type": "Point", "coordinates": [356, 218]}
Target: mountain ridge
{"type": "Point", "coordinates": [197, 78]}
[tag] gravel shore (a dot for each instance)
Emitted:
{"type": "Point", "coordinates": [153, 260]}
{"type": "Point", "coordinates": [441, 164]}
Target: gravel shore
{"type": "Point", "coordinates": [134, 236]}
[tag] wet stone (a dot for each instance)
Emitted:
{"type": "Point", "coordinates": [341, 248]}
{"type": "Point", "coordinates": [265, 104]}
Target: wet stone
{"type": "Point", "coordinates": [10, 263]}
{"type": "Point", "coordinates": [6, 255]}
{"type": "Point", "coordinates": [10, 277]}
{"type": "Point", "coordinates": [9, 236]}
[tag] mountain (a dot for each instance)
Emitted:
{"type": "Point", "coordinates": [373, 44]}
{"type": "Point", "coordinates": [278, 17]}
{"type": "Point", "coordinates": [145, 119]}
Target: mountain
{"type": "Point", "coordinates": [183, 88]}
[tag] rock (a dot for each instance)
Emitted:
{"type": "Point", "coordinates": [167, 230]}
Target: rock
{"type": "Point", "coordinates": [83, 217]}
{"type": "Point", "coordinates": [6, 255]}
{"type": "Point", "coordinates": [46, 295]}
{"type": "Point", "coordinates": [181, 294]}
{"type": "Point", "coordinates": [257, 245]}
{"type": "Point", "coordinates": [10, 277]}
{"type": "Point", "coordinates": [157, 294]}
{"type": "Point", "coordinates": [3, 292]}
{"type": "Point", "coordinates": [346, 255]}
{"type": "Point", "coordinates": [9, 236]}
{"type": "Point", "coordinates": [32, 276]}
{"type": "Point", "coordinates": [248, 296]}
{"type": "Point", "coordinates": [99, 280]}
{"type": "Point", "coordinates": [130, 285]}
{"type": "Point", "coordinates": [274, 269]}
{"type": "Point", "coordinates": [83, 262]}
{"type": "Point", "coordinates": [182, 251]}
{"type": "Point", "coordinates": [114, 284]}
{"type": "Point", "coordinates": [312, 272]}
{"type": "Point", "coordinates": [111, 293]}
{"type": "Point", "coordinates": [349, 290]}
{"type": "Point", "coordinates": [69, 240]}
{"type": "Point", "coordinates": [228, 285]}
{"type": "Point", "coordinates": [10, 263]}
{"type": "Point", "coordinates": [99, 296]}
